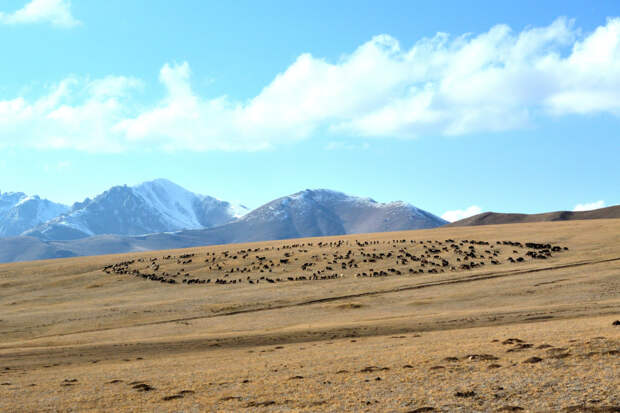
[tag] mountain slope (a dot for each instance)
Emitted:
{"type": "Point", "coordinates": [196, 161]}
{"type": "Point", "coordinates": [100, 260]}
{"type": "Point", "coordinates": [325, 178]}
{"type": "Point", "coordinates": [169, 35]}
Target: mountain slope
{"type": "Point", "coordinates": [151, 207]}
{"type": "Point", "coordinates": [19, 212]}
{"type": "Point", "coordinates": [493, 218]}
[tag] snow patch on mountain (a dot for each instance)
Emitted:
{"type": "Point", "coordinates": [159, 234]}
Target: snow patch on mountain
{"type": "Point", "coordinates": [238, 210]}
{"type": "Point", "coordinates": [174, 203]}
{"type": "Point", "coordinates": [73, 221]}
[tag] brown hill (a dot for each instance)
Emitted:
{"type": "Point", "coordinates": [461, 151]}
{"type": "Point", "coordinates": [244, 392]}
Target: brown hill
{"type": "Point", "coordinates": [494, 218]}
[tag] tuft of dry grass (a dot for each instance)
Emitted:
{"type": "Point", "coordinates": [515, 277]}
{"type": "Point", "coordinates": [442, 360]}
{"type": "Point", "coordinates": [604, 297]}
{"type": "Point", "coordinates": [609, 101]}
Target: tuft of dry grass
{"type": "Point", "coordinates": [349, 306]}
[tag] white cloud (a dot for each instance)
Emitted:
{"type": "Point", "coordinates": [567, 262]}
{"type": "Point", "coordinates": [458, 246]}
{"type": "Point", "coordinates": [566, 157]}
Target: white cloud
{"type": "Point", "coordinates": [75, 113]}
{"type": "Point", "coordinates": [55, 12]}
{"type": "Point", "coordinates": [458, 214]}
{"type": "Point", "coordinates": [589, 206]}
{"type": "Point", "coordinates": [494, 81]}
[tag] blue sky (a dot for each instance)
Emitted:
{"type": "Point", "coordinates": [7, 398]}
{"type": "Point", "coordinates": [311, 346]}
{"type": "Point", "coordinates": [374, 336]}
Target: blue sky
{"type": "Point", "coordinates": [451, 107]}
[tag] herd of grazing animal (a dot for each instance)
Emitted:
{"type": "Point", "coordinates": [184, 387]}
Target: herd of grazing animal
{"type": "Point", "coordinates": [319, 261]}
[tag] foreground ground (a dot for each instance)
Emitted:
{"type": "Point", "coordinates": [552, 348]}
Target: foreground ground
{"type": "Point", "coordinates": [380, 322]}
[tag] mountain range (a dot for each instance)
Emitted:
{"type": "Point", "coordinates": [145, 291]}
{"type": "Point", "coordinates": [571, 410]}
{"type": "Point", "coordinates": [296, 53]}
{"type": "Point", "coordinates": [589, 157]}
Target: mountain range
{"type": "Point", "coordinates": [162, 215]}
{"type": "Point", "coordinates": [159, 215]}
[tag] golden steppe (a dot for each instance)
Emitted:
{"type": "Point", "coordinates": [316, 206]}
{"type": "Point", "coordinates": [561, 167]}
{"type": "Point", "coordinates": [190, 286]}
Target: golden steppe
{"type": "Point", "coordinates": [393, 322]}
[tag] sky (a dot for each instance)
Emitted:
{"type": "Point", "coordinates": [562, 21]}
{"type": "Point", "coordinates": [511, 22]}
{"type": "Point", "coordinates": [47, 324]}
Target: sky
{"type": "Point", "coordinates": [455, 107]}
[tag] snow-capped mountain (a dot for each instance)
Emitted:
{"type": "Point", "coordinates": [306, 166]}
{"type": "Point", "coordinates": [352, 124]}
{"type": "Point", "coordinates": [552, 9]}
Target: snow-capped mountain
{"type": "Point", "coordinates": [19, 212]}
{"type": "Point", "coordinates": [307, 213]}
{"type": "Point", "coordinates": [325, 212]}
{"type": "Point", "coordinates": [151, 207]}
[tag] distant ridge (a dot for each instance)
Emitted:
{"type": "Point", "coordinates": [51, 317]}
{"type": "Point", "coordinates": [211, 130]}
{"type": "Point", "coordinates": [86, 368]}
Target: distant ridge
{"type": "Point", "coordinates": [494, 218]}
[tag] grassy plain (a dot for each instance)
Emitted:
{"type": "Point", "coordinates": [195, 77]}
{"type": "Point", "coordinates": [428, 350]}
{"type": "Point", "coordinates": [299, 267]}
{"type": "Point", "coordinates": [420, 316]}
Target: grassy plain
{"type": "Point", "coordinates": [535, 335]}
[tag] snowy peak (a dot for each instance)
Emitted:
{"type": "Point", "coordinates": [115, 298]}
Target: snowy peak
{"type": "Point", "coordinates": [150, 207]}
{"type": "Point", "coordinates": [327, 212]}
{"type": "Point", "coordinates": [9, 199]}
{"type": "Point", "coordinates": [325, 195]}
{"type": "Point", "coordinates": [176, 204]}
{"type": "Point", "coordinates": [301, 201]}
{"type": "Point", "coordinates": [20, 212]}
{"type": "Point", "coordinates": [186, 209]}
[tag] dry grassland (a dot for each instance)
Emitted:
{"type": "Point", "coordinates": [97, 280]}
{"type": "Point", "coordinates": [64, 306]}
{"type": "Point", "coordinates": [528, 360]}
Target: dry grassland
{"type": "Point", "coordinates": [395, 322]}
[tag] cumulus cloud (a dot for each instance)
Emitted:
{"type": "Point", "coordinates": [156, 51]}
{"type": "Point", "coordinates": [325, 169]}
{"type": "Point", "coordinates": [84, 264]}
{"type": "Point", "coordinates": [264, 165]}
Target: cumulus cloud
{"type": "Point", "coordinates": [442, 85]}
{"type": "Point", "coordinates": [589, 206]}
{"type": "Point", "coordinates": [55, 12]}
{"type": "Point", "coordinates": [76, 113]}
{"type": "Point", "coordinates": [458, 214]}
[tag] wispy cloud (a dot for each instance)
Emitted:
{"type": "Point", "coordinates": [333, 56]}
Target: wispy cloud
{"type": "Point", "coordinates": [458, 214]}
{"type": "Point", "coordinates": [589, 206]}
{"type": "Point", "coordinates": [495, 81]}
{"type": "Point", "coordinates": [58, 167]}
{"type": "Point", "coordinates": [55, 12]}
{"type": "Point", "coordinates": [339, 145]}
